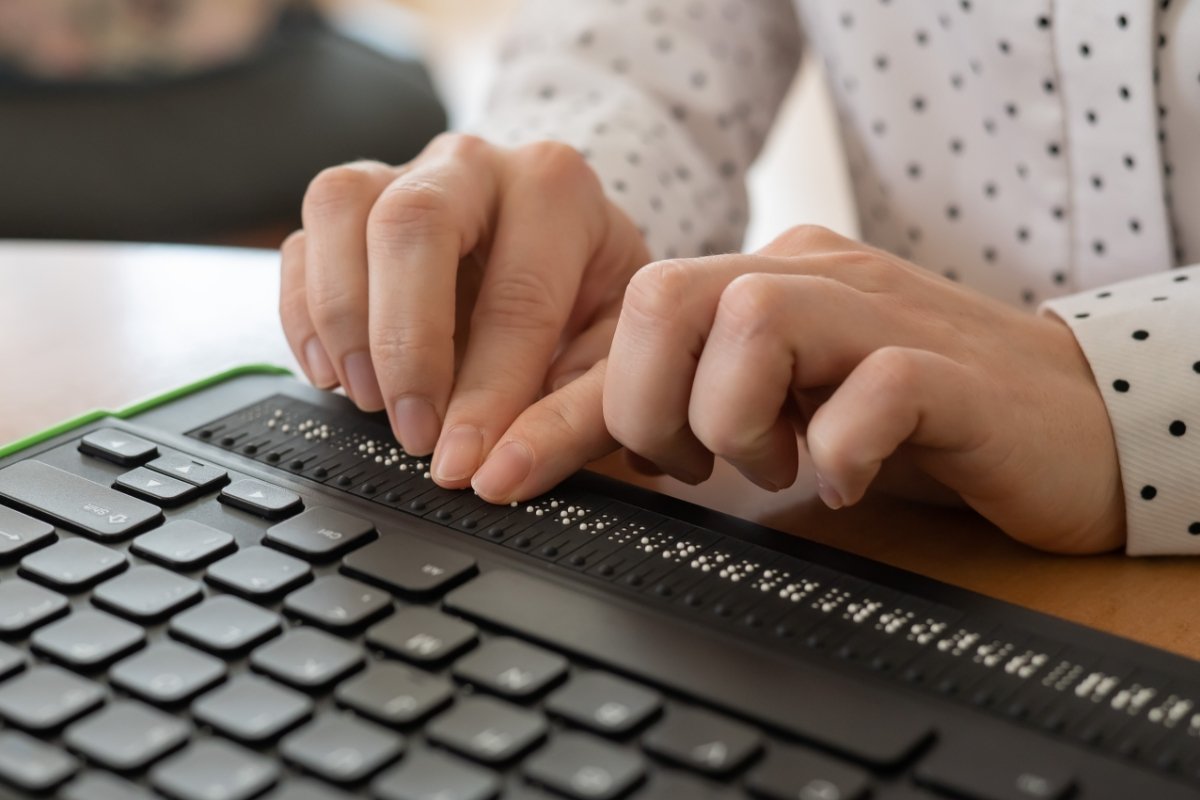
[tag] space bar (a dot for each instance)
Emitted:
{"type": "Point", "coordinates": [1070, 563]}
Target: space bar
{"type": "Point", "coordinates": [852, 717]}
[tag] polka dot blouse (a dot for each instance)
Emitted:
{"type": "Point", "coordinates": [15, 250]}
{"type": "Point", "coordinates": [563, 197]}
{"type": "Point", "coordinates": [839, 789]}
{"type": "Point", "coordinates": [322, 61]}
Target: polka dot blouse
{"type": "Point", "coordinates": [1045, 152]}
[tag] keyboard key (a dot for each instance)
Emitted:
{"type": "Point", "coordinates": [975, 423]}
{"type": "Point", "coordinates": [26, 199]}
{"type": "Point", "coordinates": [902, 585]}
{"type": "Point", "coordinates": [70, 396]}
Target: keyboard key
{"type": "Point", "coordinates": [702, 741]}
{"type": "Point", "coordinates": [305, 789]}
{"type": "Point", "coordinates": [127, 736]}
{"type": "Point", "coordinates": [261, 499]}
{"type": "Point", "coordinates": [307, 658]}
{"type": "Point", "coordinates": [425, 775]}
{"type": "Point", "coordinates": [74, 501]}
{"type": "Point", "coordinates": [96, 785]}
{"type": "Point", "coordinates": [604, 703]}
{"type": "Point", "coordinates": [183, 544]}
{"type": "Point", "coordinates": [511, 668]}
{"type": "Point", "coordinates": [487, 730]}
{"type": "Point", "coordinates": [32, 765]}
{"type": "Point", "coordinates": [12, 660]}
{"type": "Point", "coordinates": [861, 720]}
{"type": "Point", "coordinates": [155, 487]}
{"type": "Point", "coordinates": [321, 533]}
{"type": "Point", "coordinates": [119, 447]}
{"type": "Point", "coordinates": [252, 709]}
{"type": "Point", "coordinates": [147, 593]}
{"type": "Point", "coordinates": [225, 625]}
{"type": "Point", "coordinates": [205, 477]}
{"type": "Point", "coordinates": [25, 605]}
{"type": "Point", "coordinates": [586, 768]}
{"type": "Point", "coordinates": [394, 694]}
{"type": "Point", "coordinates": [338, 603]}
{"type": "Point", "coordinates": [19, 534]}
{"type": "Point", "coordinates": [259, 572]}
{"type": "Point", "coordinates": [87, 639]}
{"type": "Point", "coordinates": [788, 773]}
{"type": "Point", "coordinates": [166, 673]}
{"type": "Point", "coordinates": [985, 770]}
{"type": "Point", "coordinates": [46, 697]}
{"type": "Point", "coordinates": [73, 564]}
{"type": "Point", "coordinates": [408, 565]}
{"type": "Point", "coordinates": [341, 748]}
{"type": "Point", "coordinates": [422, 635]}
{"type": "Point", "coordinates": [214, 770]}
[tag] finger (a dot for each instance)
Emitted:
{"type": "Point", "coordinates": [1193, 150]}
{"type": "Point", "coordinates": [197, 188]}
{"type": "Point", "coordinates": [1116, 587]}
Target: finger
{"type": "Point", "coordinates": [293, 312]}
{"type": "Point", "coordinates": [423, 225]}
{"type": "Point", "coordinates": [773, 336]}
{"type": "Point", "coordinates": [642, 466]}
{"type": "Point", "coordinates": [551, 216]}
{"type": "Point", "coordinates": [667, 313]}
{"type": "Point", "coordinates": [896, 396]}
{"type": "Point", "coordinates": [582, 352]}
{"type": "Point", "coordinates": [549, 441]}
{"type": "Point", "coordinates": [335, 212]}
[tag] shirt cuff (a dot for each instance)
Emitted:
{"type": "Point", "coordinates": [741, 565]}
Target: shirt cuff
{"type": "Point", "coordinates": [1142, 340]}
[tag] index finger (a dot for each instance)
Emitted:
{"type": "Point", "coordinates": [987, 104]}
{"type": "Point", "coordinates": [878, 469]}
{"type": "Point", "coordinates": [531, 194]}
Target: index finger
{"type": "Point", "coordinates": [424, 223]}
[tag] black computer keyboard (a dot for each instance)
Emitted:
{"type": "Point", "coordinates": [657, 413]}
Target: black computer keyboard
{"type": "Point", "coordinates": [279, 602]}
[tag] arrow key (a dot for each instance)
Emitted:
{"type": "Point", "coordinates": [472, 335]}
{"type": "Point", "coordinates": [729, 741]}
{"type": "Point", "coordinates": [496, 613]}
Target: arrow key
{"type": "Point", "coordinates": [261, 499]}
{"type": "Point", "coordinates": [118, 447]}
{"type": "Point", "coordinates": [155, 487]}
{"type": "Point", "coordinates": [204, 477]}
{"type": "Point", "coordinates": [703, 741]}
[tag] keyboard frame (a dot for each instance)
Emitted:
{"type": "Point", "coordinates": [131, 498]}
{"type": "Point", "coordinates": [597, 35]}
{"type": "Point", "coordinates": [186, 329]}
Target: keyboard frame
{"type": "Point", "coordinates": [167, 419]}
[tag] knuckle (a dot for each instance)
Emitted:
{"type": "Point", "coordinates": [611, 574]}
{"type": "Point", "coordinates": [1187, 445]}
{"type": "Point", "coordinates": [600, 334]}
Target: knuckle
{"type": "Point", "coordinates": [749, 305]}
{"type": "Point", "coordinates": [332, 189]}
{"type": "Point", "coordinates": [557, 164]}
{"type": "Point", "coordinates": [328, 305]}
{"type": "Point", "coordinates": [804, 237]}
{"type": "Point", "coordinates": [895, 371]}
{"type": "Point", "coordinates": [519, 300]}
{"type": "Point", "coordinates": [411, 205]}
{"type": "Point", "coordinates": [456, 145]}
{"type": "Point", "coordinates": [656, 291]}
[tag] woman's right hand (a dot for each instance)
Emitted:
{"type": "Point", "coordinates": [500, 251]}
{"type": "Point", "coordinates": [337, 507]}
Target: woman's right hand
{"type": "Point", "coordinates": [458, 292]}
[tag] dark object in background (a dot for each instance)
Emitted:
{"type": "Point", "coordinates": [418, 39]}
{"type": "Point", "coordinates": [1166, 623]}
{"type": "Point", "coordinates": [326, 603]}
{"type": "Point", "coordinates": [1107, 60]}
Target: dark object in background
{"type": "Point", "coordinates": [190, 158]}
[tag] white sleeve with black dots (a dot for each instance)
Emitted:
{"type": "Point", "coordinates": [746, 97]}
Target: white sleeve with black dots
{"type": "Point", "coordinates": [669, 100]}
{"type": "Point", "coordinates": [1142, 339]}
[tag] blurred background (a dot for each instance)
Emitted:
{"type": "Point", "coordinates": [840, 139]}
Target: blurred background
{"type": "Point", "coordinates": [202, 121]}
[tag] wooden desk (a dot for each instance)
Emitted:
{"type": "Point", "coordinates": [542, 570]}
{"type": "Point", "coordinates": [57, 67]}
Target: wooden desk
{"type": "Point", "coordinates": [87, 326]}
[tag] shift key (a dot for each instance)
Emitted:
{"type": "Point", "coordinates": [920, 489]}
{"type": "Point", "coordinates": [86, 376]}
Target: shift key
{"type": "Point", "coordinates": [74, 501]}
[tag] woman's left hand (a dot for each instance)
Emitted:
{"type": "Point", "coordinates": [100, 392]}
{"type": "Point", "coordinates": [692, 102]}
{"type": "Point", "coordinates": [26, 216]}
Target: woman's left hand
{"type": "Point", "coordinates": [873, 363]}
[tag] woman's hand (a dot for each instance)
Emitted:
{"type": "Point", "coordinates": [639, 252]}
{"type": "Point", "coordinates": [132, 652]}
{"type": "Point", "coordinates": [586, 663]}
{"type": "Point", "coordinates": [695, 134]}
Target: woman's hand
{"type": "Point", "coordinates": [454, 291]}
{"type": "Point", "coordinates": [871, 361]}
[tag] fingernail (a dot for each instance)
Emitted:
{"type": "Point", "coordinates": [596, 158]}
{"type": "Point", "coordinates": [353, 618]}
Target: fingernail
{"type": "Point", "coordinates": [417, 425]}
{"type": "Point", "coordinates": [320, 368]}
{"type": "Point", "coordinates": [829, 496]}
{"type": "Point", "coordinates": [363, 386]}
{"type": "Point", "coordinates": [503, 472]}
{"type": "Point", "coordinates": [458, 453]}
{"type": "Point", "coordinates": [563, 380]}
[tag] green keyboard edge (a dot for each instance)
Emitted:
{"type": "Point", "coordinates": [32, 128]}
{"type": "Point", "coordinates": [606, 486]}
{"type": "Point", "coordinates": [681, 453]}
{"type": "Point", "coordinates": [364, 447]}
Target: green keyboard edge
{"type": "Point", "coordinates": [142, 405]}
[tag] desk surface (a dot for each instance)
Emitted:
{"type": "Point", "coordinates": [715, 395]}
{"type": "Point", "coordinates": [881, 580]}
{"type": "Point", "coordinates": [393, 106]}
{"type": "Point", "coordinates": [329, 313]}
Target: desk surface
{"type": "Point", "coordinates": [87, 326]}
